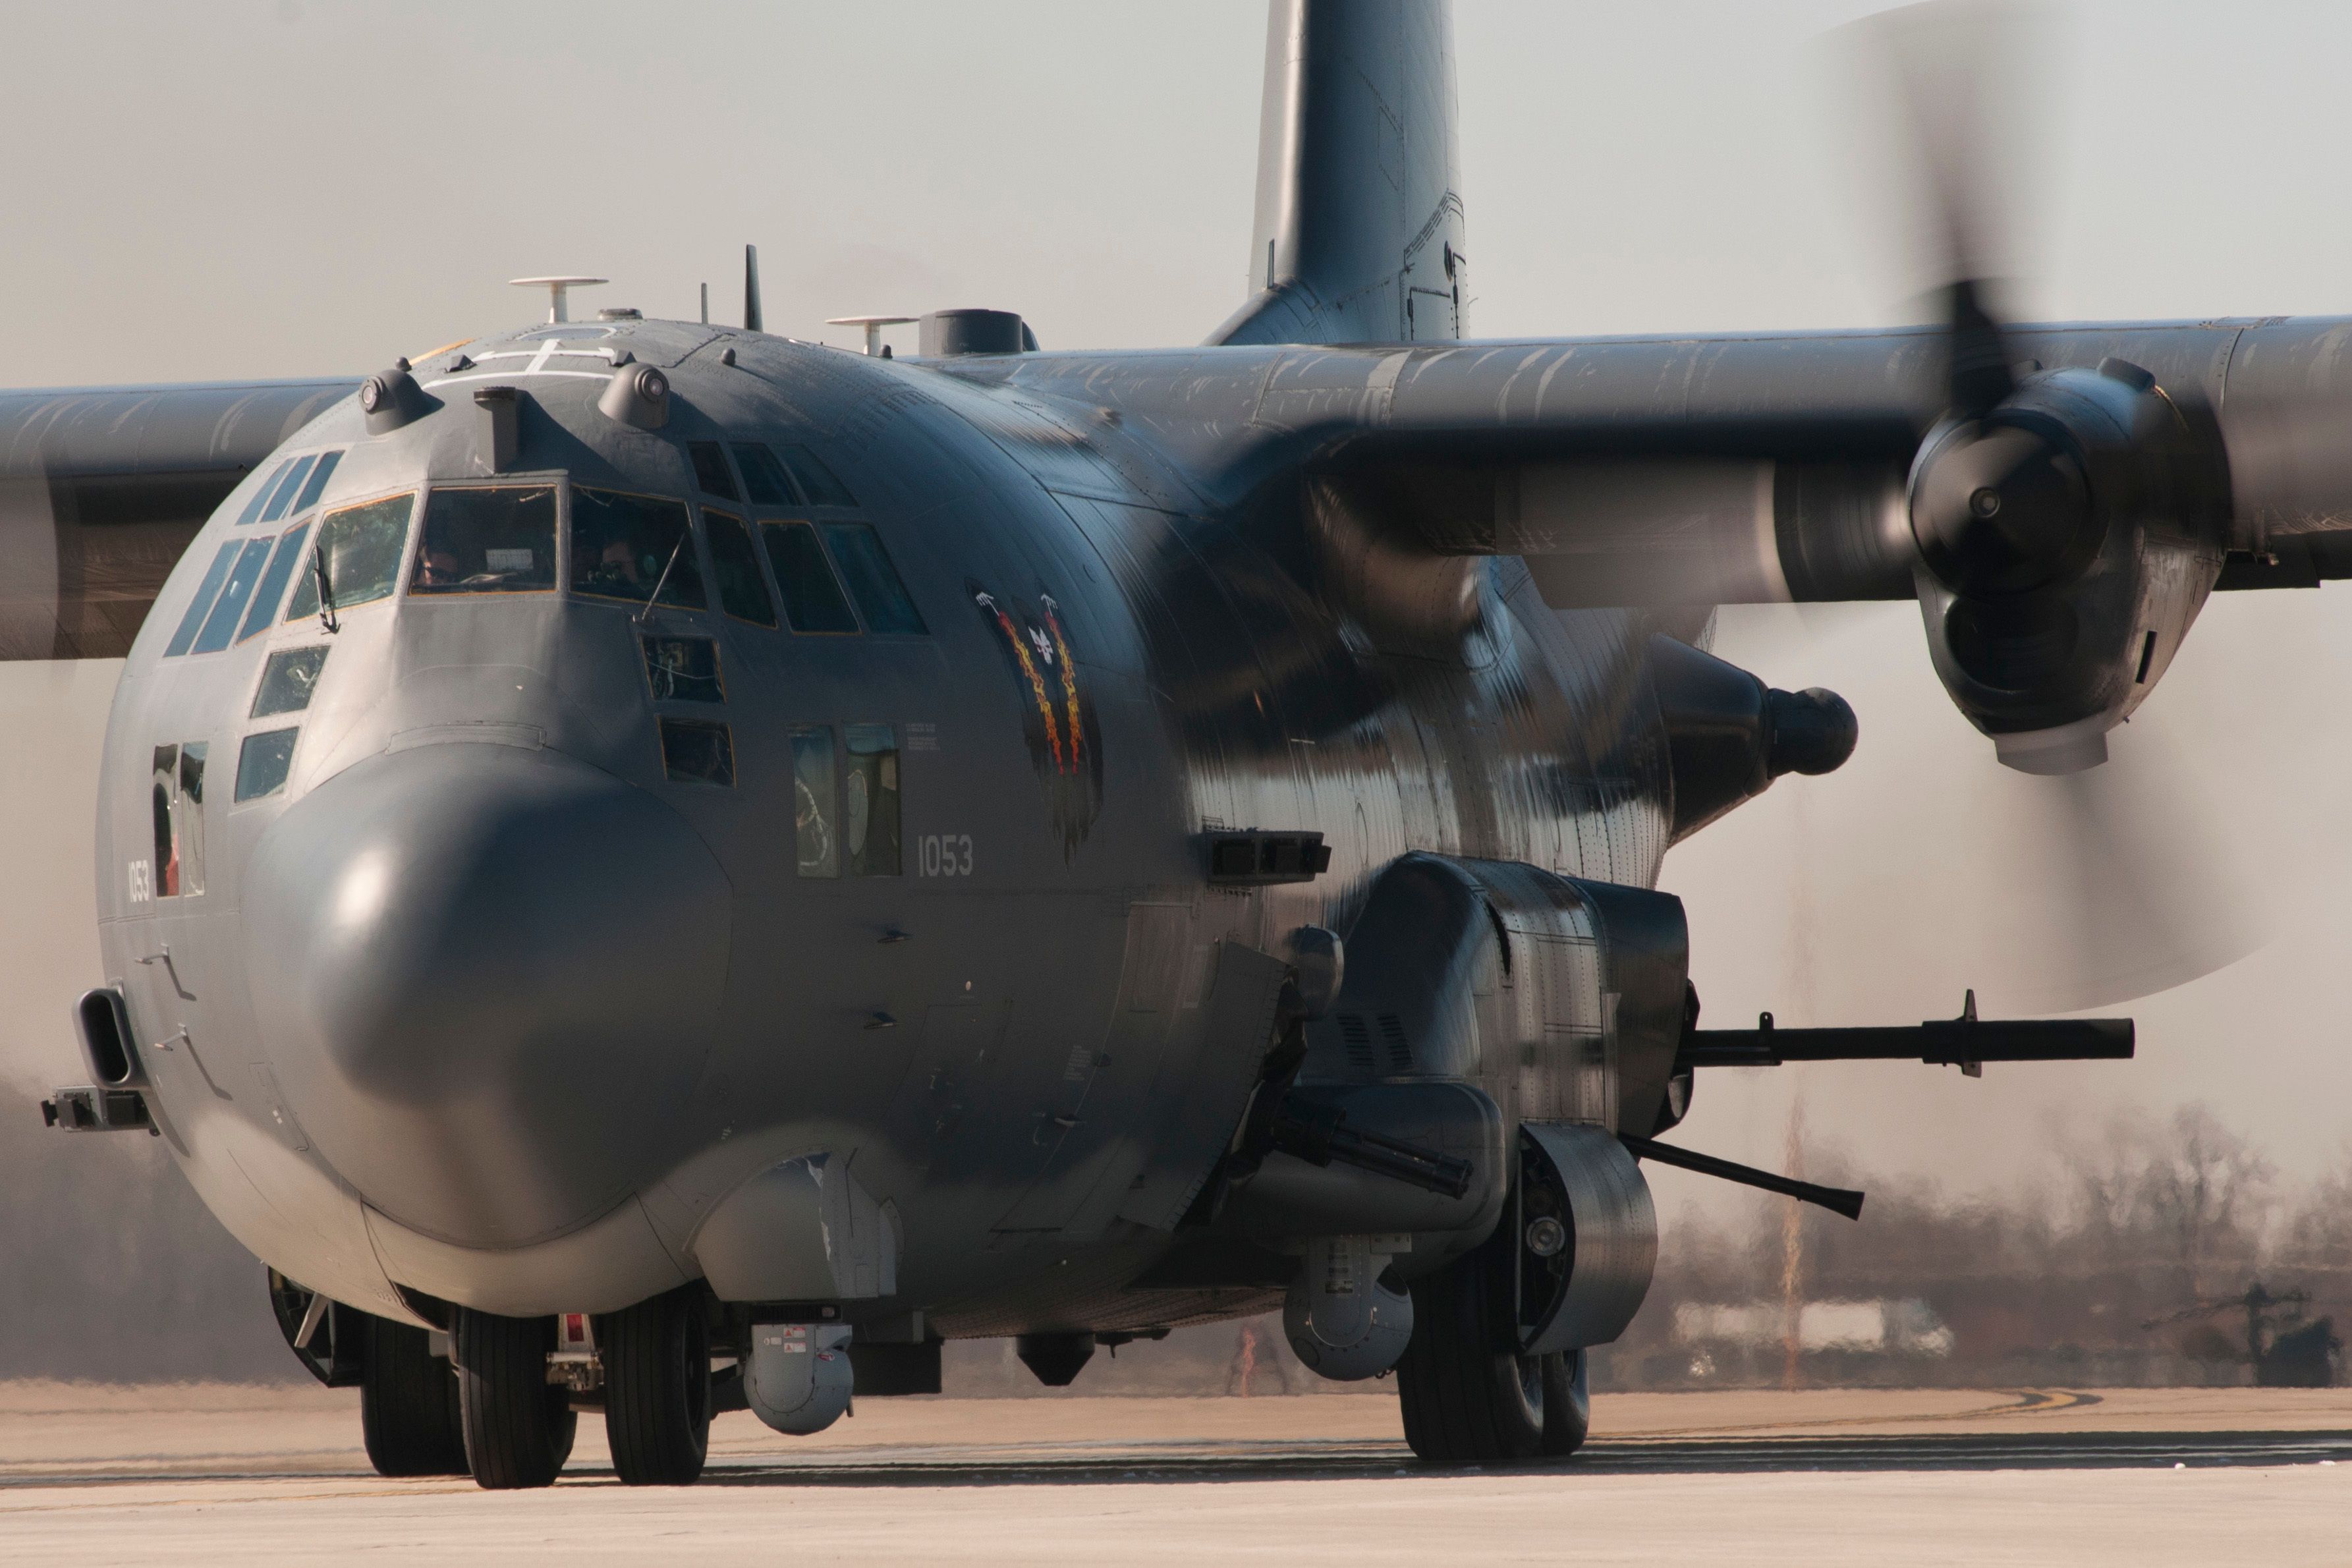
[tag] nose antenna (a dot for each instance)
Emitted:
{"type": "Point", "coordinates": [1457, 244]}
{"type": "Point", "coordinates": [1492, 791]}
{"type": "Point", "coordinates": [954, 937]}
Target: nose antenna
{"type": "Point", "coordinates": [559, 291]}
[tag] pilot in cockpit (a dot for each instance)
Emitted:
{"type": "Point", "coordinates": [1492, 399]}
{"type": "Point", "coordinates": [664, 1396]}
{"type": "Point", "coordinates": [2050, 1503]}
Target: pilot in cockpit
{"type": "Point", "coordinates": [616, 571]}
{"type": "Point", "coordinates": [438, 568]}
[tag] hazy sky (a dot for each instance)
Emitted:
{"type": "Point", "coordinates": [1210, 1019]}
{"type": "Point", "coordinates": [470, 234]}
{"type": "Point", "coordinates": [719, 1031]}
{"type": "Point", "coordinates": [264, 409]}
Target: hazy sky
{"type": "Point", "coordinates": [282, 187]}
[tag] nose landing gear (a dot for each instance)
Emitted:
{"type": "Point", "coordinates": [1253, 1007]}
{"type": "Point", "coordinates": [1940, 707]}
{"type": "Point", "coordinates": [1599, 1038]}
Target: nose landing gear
{"type": "Point", "coordinates": [408, 1402]}
{"type": "Point", "coordinates": [519, 1427]}
{"type": "Point", "coordinates": [657, 1389]}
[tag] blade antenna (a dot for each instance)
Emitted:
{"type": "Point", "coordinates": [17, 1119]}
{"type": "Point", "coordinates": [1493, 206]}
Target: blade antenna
{"type": "Point", "coordinates": [751, 316]}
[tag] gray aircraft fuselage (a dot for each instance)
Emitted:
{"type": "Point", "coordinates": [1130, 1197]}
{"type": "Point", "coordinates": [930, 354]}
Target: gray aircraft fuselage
{"type": "Point", "coordinates": [486, 1001]}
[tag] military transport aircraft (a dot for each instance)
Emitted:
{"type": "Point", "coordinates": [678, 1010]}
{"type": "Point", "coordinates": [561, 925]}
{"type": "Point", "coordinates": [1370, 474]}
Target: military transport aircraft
{"type": "Point", "coordinates": [650, 868]}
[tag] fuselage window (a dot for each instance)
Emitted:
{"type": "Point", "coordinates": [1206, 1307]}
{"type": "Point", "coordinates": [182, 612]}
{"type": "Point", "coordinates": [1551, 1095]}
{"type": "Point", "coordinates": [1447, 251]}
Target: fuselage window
{"type": "Point", "coordinates": [262, 492]}
{"type": "Point", "coordinates": [696, 750]}
{"type": "Point", "coordinates": [710, 470]}
{"type": "Point", "coordinates": [623, 545]}
{"type": "Point", "coordinates": [221, 625]}
{"type": "Point", "coordinates": [282, 563]}
{"type": "Point", "coordinates": [189, 819]}
{"type": "Point", "coordinates": [812, 598]}
{"type": "Point", "coordinates": [813, 812]}
{"type": "Point", "coordinates": [870, 809]}
{"type": "Point", "coordinates": [495, 541]}
{"type": "Point", "coordinates": [362, 546]}
{"type": "Point", "coordinates": [874, 583]}
{"type": "Point", "coordinates": [743, 592]}
{"type": "Point", "coordinates": [684, 669]}
{"type": "Point", "coordinates": [177, 793]}
{"type": "Point", "coordinates": [820, 485]}
{"type": "Point", "coordinates": [765, 483]}
{"type": "Point", "coordinates": [288, 680]}
{"type": "Point", "coordinates": [191, 622]}
{"type": "Point", "coordinates": [319, 478]}
{"type": "Point", "coordinates": [263, 763]}
{"type": "Point", "coordinates": [283, 497]}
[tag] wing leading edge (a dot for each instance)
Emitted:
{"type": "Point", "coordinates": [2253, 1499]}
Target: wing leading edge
{"type": "Point", "coordinates": [102, 489]}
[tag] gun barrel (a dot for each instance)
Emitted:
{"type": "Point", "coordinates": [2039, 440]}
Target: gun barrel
{"type": "Point", "coordinates": [1943, 1042]}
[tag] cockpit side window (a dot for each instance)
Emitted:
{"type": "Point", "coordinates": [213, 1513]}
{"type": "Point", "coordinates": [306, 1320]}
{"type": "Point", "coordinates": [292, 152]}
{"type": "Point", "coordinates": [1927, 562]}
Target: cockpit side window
{"type": "Point", "coordinates": [493, 541]}
{"type": "Point", "coordinates": [813, 597]}
{"type": "Point", "coordinates": [874, 583]}
{"type": "Point", "coordinates": [710, 470]}
{"type": "Point", "coordinates": [743, 592]}
{"type": "Point", "coordinates": [765, 483]}
{"type": "Point", "coordinates": [192, 622]}
{"type": "Point", "coordinates": [262, 492]}
{"type": "Point", "coordinates": [622, 545]}
{"type": "Point", "coordinates": [362, 546]}
{"type": "Point", "coordinates": [282, 563]}
{"type": "Point", "coordinates": [283, 497]}
{"type": "Point", "coordinates": [263, 761]}
{"type": "Point", "coordinates": [319, 478]}
{"type": "Point", "coordinates": [820, 484]}
{"type": "Point", "coordinates": [221, 625]}
{"type": "Point", "coordinates": [288, 680]}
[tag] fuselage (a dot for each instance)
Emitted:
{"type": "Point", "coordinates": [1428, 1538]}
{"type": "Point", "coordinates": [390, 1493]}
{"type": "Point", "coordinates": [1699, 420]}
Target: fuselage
{"type": "Point", "coordinates": [485, 926]}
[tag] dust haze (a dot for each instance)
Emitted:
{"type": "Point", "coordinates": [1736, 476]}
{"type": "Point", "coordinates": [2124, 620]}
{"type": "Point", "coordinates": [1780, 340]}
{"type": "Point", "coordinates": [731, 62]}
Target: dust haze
{"type": "Point", "coordinates": [286, 188]}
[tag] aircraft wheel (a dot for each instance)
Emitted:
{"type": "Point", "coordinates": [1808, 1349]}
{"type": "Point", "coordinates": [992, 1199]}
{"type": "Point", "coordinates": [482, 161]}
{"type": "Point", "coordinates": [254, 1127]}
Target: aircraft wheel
{"type": "Point", "coordinates": [657, 1389]}
{"type": "Point", "coordinates": [408, 1402]}
{"type": "Point", "coordinates": [1567, 1404]}
{"type": "Point", "coordinates": [519, 1427]}
{"type": "Point", "coordinates": [1469, 1398]}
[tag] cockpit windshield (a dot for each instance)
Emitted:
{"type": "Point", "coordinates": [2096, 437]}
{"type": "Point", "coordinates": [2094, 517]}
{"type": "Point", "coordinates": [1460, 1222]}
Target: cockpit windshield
{"type": "Point", "coordinates": [623, 545]}
{"type": "Point", "coordinates": [498, 539]}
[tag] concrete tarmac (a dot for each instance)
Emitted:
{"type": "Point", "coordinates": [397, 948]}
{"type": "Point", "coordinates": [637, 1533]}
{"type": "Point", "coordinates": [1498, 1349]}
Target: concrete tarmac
{"type": "Point", "coordinates": [214, 1474]}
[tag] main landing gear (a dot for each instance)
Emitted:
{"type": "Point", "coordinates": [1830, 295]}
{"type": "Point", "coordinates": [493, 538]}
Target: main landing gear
{"type": "Point", "coordinates": [1469, 1396]}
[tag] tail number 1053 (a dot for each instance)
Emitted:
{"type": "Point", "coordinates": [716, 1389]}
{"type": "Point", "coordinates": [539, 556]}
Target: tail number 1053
{"type": "Point", "coordinates": [944, 854]}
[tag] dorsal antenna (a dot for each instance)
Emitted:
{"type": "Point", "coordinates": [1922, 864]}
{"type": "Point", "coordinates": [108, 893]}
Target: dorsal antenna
{"type": "Point", "coordinates": [559, 291]}
{"type": "Point", "coordinates": [751, 318]}
{"type": "Point", "coordinates": [873, 325]}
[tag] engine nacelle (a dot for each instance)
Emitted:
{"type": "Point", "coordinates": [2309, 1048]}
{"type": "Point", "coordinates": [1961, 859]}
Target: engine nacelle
{"type": "Point", "coordinates": [2067, 540]}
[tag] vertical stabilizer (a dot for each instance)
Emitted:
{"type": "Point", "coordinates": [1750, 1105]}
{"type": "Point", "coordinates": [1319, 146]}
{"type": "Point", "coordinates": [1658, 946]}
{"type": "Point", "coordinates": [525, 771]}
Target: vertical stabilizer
{"type": "Point", "coordinates": [1358, 233]}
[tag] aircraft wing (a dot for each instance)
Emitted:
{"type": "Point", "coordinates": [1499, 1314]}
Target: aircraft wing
{"type": "Point", "coordinates": [102, 489]}
{"type": "Point", "coordinates": [2061, 499]}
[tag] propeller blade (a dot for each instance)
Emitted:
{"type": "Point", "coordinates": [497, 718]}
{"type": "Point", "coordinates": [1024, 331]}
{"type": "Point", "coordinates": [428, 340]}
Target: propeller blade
{"type": "Point", "coordinates": [1920, 871]}
{"type": "Point", "coordinates": [1948, 100]}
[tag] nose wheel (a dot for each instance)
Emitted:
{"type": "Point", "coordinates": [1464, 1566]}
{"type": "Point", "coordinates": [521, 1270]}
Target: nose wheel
{"type": "Point", "coordinates": [519, 1427]}
{"type": "Point", "coordinates": [657, 1389]}
{"type": "Point", "coordinates": [408, 1402]}
{"type": "Point", "coordinates": [1469, 1398]}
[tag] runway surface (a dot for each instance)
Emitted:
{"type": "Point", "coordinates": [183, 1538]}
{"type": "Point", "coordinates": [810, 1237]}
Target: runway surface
{"type": "Point", "coordinates": [222, 1474]}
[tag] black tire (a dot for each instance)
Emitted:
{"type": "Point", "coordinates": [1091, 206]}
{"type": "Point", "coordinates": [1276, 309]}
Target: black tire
{"type": "Point", "coordinates": [657, 1389]}
{"type": "Point", "coordinates": [408, 1400]}
{"type": "Point", "coordinates": [1469, 1398]}
{"type": "Point", "coordinates": [1567, 1404]}
{"type": "Point", "coordinates": [519, 1427]}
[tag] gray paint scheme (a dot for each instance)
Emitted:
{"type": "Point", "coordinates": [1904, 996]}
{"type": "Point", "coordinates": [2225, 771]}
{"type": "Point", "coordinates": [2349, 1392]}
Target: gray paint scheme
{"type": "Point", "coordinates": [482, 1005]}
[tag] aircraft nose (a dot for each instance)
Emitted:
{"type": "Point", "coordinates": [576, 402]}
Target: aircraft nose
{"type": "Point", "coordinates": [486, 979]}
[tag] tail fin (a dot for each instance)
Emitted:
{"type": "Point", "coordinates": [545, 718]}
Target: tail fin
{"type": "Point", "coordinates": [1358, 234]}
